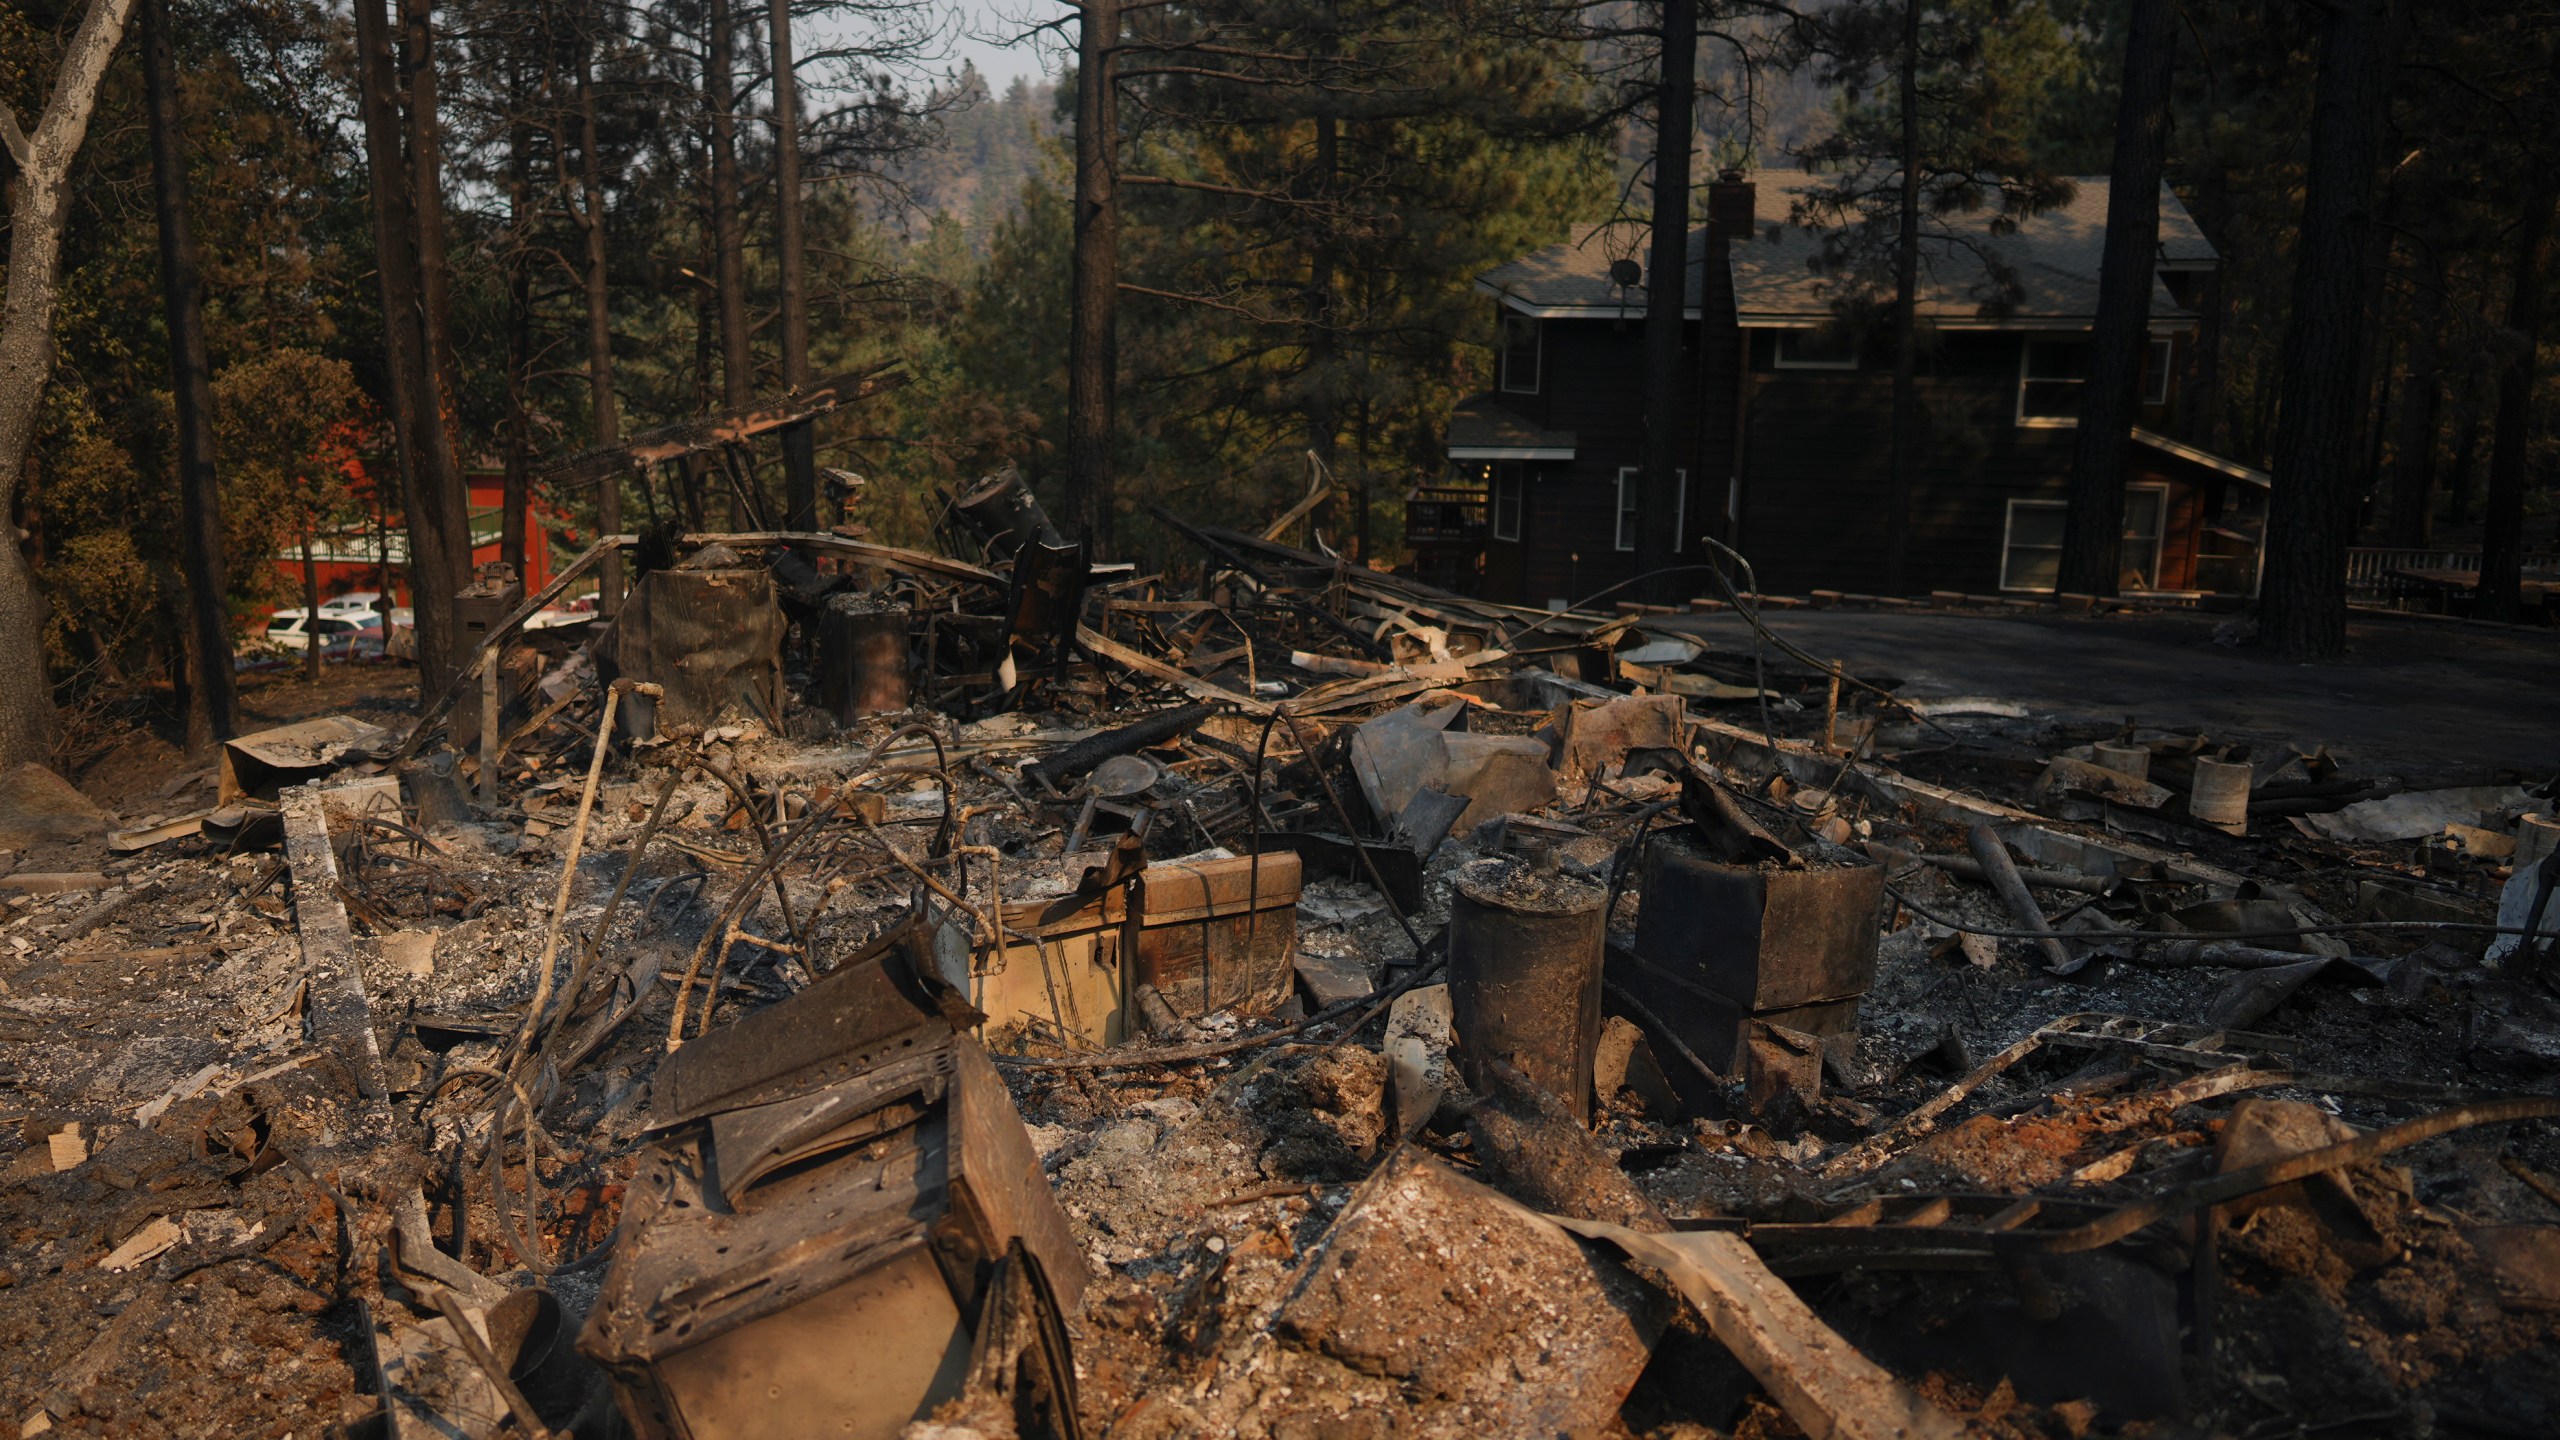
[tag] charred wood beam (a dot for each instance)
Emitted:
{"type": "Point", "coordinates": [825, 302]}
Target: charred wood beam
{"type": "Point", "coordinates": [1229, 558]}
{"type": "Point", "coordinates": [685, 437]}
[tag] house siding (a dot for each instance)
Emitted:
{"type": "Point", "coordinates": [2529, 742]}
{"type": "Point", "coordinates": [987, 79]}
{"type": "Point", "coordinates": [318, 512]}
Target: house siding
{"type": "Point", "coordinates": [1818, 462]}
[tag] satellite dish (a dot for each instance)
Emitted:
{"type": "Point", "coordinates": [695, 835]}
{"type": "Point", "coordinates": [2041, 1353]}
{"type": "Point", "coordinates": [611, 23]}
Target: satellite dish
{"type": "Point", "coordinates": [1625, 272]}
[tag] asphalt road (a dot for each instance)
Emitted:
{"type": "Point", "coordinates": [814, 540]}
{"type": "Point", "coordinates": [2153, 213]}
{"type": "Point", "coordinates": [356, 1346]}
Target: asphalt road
{"type": "Point", "coordinates": [2412, 697]}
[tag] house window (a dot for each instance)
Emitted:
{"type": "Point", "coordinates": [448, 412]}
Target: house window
{"type": "Point", "coordinates": [1522, 340]}
{"type": "Point", "coordinates": [2156, 359]}
{"type": "Point", "coordinates": [1630, 501]}
{"type": "Point", "coordinates": [1826, 349]}
{"type": "Point", "coordinates": [2031, 555]}
{"type": "Point", "coordinates": [2050, 374]}
{"type": "Point", "coordinates": [1507, 502]}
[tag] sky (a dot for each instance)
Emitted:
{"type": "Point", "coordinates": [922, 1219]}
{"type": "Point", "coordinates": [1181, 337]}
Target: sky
{"type": "Point", "coordinates": [1000, 64]}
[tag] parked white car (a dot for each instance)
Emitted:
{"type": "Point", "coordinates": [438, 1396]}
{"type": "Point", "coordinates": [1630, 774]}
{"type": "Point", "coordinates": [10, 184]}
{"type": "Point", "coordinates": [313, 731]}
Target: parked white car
{"type": "Point", "coordinates": [342, 635]}
{"type": "Point", "coordinates": [361, 606]}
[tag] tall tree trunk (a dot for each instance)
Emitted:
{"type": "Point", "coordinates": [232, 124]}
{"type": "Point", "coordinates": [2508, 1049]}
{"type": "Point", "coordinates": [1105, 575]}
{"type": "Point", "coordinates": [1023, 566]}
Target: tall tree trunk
{"type": "Point", "coordinates": [2466, 455]}
{"type": "Point", "coordinates": [2502, 529]}
{"type": "Point", "coordinates": [311, 638]}
{"type": "Point", "coordinates": [1322, 409]}
{"type": "Point", "coordinates": [1906, 319]}
{"type": "Point", "coordinates": [212, 695]}
{"type": "Point", "coordinates": [2119, 342]}
{"type": "Point", "coordinates": [426, 182]}
{"type": "Point", "coordinates": [519, 438]}
{"type": "Point", "coordinates": [1093, 366]}
{"type": "Point", "coordinates": [728, 239]}
{"type": "Point", "coordinates": [2303, 603]}
{"type": "Point", "coordinates": [2413, 468]}
{"type": "Point", "coordinates": [799, 442]}
{"type": "Point", "coordinates": [605, 420]}
{"type": "Point", "coordinates": [1666, 301]}
{"type": "Point", "coordinates": [39, 199]}
{"type": "Point", "coordinates": [430, 479]}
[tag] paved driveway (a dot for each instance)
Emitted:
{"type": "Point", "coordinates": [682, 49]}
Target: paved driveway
{"type": "Point", "coordinates": [2412, 698]}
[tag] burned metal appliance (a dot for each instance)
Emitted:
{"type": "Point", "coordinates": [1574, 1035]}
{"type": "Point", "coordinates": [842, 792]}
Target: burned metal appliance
{"type": "Point", "coordinates": [712, 638]}
{"type": "Point", "coordinates": [840, 1204]}
{"type": "Point", "coordinates": [862, 655]}
{"type": "Point", "coordinates": [1721, 943]}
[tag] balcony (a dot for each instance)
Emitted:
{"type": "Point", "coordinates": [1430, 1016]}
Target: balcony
{"type": "Point", "coordinates": [1444, 515]}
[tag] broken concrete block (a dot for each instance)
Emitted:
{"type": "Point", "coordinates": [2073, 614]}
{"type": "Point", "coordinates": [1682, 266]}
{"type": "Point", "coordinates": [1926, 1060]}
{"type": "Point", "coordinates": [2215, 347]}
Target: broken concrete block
{"type": "Point", "coordinates": [1332, 979]}
{"type": "Point", "coordinates": [1778, 1061]}
{"type": "Point", "coordinates": [1436, 1281]}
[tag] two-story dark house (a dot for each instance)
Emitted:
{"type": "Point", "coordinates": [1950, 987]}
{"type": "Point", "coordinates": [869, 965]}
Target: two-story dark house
{"type": "Point", "coordinates": [1790, 432]}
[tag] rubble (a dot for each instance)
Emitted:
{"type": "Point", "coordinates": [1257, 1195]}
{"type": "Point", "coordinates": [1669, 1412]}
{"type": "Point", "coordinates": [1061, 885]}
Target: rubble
{"type": "Point", "coordinates": [869, 991]}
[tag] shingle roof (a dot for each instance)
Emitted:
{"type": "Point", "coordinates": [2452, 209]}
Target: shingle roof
{"type": "Point", "coordinates": [2054, 257]}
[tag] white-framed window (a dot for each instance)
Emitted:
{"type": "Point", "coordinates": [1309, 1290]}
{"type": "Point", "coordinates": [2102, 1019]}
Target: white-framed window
{"type": "Point", "coordinates": [2050, 375]}
{"type": "Point", "coordinates": [2031, 550]}
{"type": "Point", "coordinates": [1826, 349]}
{"type": "Point", "coordinates": [1509, 499]}
{"type": "Point", "coordinates": [1522, 345]}
{"type": "Point", "coordinates": [2157, 357]}
{"type": "Point", "coordinates": [1631, 503]}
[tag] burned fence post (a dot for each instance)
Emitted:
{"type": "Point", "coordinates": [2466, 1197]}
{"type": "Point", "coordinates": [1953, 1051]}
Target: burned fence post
{"type": "Point", "coordinates": [1525, 952]}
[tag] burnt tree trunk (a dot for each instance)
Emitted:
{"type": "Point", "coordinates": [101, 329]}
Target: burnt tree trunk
{"type": "Point", "coordinates": [1093, 364]}
{"type": "Point", "coordinates": [212, 694]}
{"type": "Point", "coordinates": [426, 180]}
{"type": "Point", "coordinates": [1658, 521]}
{"type": "Point", "coordinates": [430, 479]}
{"type": "Point", "coordinates": [2413, 468]}
{"type": "Point", "coordinates": [2502, 519]}
{"type": "Point", "coordinates": [311, 637]}
{"type": "Point", "coordinates": [799, 442]}
{"type": "Point", "coordinates": [2303, 602]}
{"type": "Point", "coordinates": [728, 239]}
{"type": "Point", "coordinates": [1324, 355]}
{"type": "Point", "coordinates": [2093, 527]}
{"type": "Point", "coordinates": [605, 416]}
{"type": "Point", "coordinates": [519, 438]}
{"type": "Point", "coordinates": [39, 197]}
{"type": "Point", "coordinates": [1906, 320]}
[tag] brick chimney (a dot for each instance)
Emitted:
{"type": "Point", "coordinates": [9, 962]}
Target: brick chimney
{"type": "Point", "coordinates": [1733, 206]}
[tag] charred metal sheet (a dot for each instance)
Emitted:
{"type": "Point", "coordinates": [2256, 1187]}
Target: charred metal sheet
{"type": "Point", "coordinates": [874, 1007]}
{"type": "Point", "coordinates": [1765, 937]}
{"type": "Point", "coordinates": [262, 765]}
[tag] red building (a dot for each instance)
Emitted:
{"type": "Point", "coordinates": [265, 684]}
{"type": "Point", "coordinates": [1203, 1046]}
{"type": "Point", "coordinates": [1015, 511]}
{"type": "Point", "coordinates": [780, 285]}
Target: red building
{"type": "Point", "coordinates": [364, 557]}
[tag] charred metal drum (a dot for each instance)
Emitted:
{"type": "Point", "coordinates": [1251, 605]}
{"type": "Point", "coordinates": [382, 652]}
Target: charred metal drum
{"type": "Point", "coordinates": [1525, 950]}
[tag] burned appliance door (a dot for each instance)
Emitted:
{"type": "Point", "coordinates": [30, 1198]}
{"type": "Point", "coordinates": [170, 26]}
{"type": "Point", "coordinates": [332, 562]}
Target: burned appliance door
{"type": "Point", "coordinates": [809, 1248]}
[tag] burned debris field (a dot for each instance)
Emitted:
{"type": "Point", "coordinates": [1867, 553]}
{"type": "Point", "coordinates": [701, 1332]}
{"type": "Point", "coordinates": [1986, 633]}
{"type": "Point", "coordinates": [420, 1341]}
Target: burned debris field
{"type": "Point", "coordinates": [1177, 719]}
{"type": "Point", "coordinates": [1322, 1006]}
